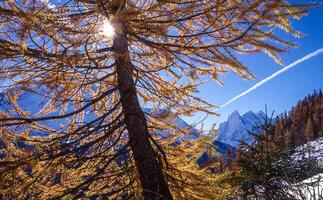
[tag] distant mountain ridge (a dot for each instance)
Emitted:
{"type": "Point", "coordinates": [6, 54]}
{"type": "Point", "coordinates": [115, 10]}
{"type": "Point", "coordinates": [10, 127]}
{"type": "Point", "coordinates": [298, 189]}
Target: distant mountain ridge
{"type": "Point", "coordinates": [236, 128]}
{"type": "Point", "coordinates": [192, 134]}
{"type": "Point", "coordinates": [302, 124]}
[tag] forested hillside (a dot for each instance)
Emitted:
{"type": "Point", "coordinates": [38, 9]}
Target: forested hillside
{"type": "Point", "coordinates": [304, 122]}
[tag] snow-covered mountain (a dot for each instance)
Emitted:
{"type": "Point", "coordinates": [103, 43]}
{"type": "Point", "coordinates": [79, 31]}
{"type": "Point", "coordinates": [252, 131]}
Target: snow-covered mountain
{"type": "Point", "coordinates": [192, 134]}
{"type": "Point", "coordinates": [235, 129]}
{"type": "Point", "coordinates": [179, 123]}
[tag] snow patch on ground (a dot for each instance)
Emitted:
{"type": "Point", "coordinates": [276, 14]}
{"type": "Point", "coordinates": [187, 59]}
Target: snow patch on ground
{"type": "Point", "coordinates": [309, 189]}
{"type": "Point", "coordinates": [313, 149]}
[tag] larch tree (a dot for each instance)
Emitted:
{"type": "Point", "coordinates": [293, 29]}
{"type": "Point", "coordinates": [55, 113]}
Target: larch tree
{"type": "Point", "coordinates": [309, 130]}
{"type": "Point", "coordinates": [309, 134]}
{"type": "Point", "coordinates": [89, 68]}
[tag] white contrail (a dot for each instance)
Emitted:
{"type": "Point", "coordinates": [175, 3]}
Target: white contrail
{"type": "Point", "coordinates": [260, 83]}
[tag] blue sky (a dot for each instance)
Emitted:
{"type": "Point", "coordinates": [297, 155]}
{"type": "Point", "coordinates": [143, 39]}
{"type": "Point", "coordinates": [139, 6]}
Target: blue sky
{"type": "Point", "coordinates": [282, 92]}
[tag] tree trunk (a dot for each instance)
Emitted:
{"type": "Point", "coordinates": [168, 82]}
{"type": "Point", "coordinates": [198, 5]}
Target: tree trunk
{"type": "Point", "coordinates": [150, 170]}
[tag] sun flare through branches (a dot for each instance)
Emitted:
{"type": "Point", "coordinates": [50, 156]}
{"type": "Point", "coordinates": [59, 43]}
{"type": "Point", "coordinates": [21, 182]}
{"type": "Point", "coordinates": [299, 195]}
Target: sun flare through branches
{"type": "Point", "coordinates": [107, 29]}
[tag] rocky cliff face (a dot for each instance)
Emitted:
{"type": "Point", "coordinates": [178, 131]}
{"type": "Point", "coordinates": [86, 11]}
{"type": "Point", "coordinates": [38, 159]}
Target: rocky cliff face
{"type": "Point", "coordinates": [236, 128]}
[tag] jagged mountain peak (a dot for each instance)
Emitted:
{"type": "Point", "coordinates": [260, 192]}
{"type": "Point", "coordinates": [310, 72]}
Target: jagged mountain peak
{"type": "Point", "coordinates": [234, 115]}
{"type": "Point", "coordinates": [237, 126]}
